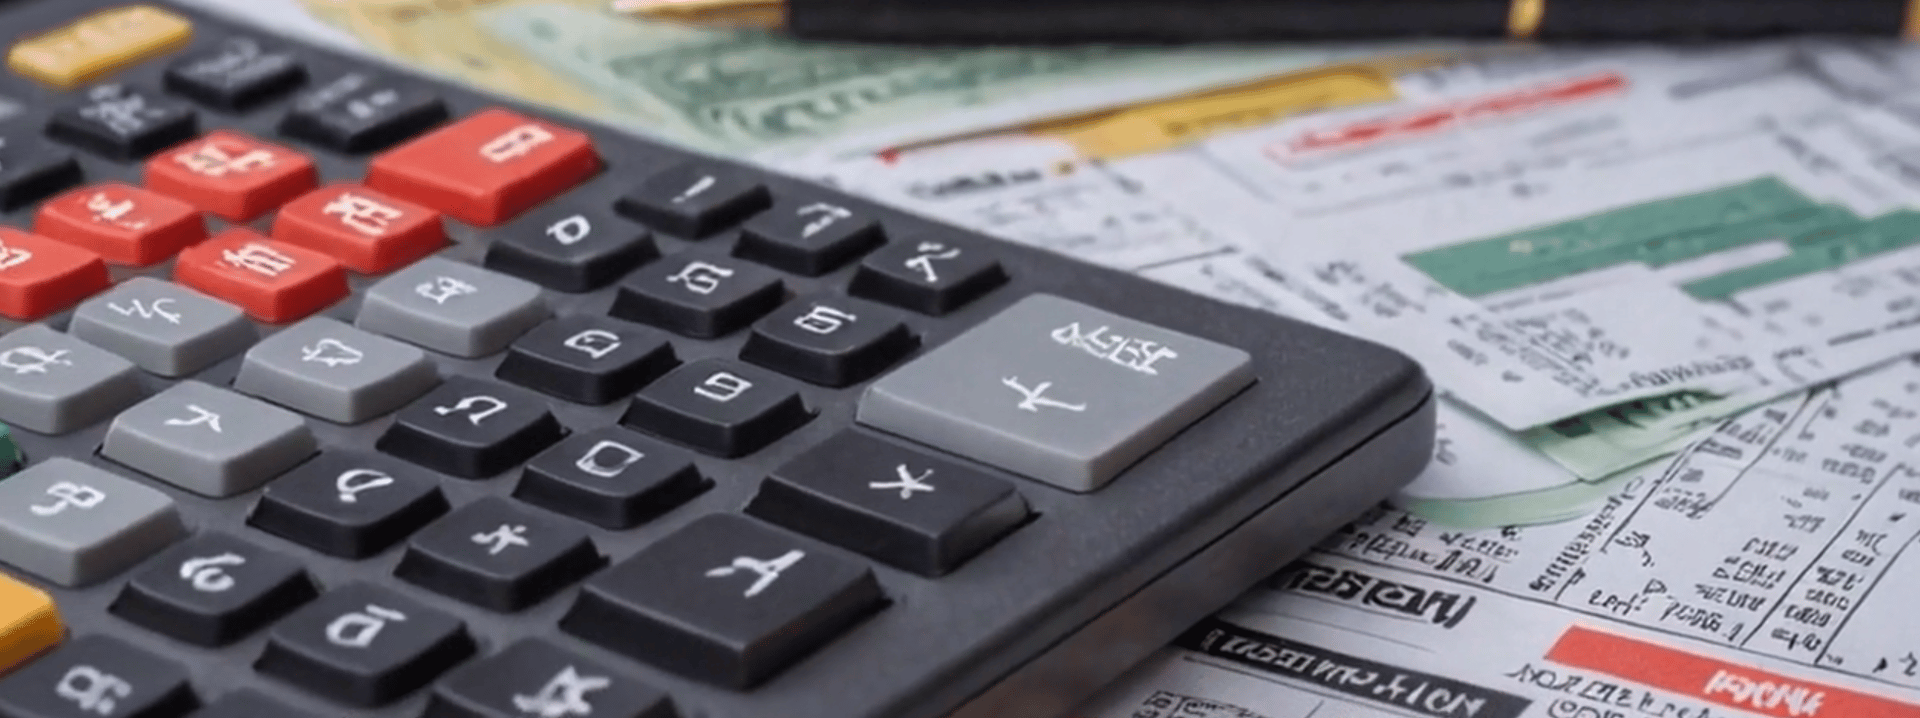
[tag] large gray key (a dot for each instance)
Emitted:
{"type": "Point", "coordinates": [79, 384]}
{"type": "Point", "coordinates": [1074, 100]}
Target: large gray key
{"type": "Point", "coordinates": [208, 440]}
{"type": "Point", "coordinates": [53, 383]}
{"type": "Point", "coordinates": [450, 307]}
{"type": "Point", "coordinates": [1057, 390]}
{"type": "Point", "coordinates": [74, 524]}
{"type": "Point", "coordinates": [334, 371]}
{"type": "Point", "coordinates": [163, 327]}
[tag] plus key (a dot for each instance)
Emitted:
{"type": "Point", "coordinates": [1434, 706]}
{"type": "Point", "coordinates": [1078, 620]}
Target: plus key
{"type": "Point", "coordinates": [488, 168]}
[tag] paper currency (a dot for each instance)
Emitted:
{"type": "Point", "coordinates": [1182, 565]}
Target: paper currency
{"type": "Point", "coordinates": [753, 93]}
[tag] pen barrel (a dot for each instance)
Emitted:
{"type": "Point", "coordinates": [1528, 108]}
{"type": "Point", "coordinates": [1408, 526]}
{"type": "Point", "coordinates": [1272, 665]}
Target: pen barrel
{"type": "Point", "coordinates": [1045, 21]}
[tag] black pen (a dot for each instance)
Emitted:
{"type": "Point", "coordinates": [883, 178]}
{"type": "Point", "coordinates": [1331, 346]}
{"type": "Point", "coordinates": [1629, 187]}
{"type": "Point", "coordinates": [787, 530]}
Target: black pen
{"type": "Point", "coordinates": [1057, 21]}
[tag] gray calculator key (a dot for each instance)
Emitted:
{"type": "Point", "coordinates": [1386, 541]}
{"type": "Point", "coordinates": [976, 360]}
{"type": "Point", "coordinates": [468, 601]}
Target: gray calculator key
{"type": "Point", "coordinates": [332, 370]}
{"type": "Point", "coordinates": [208, 440]}
{"type": "Point", "coordinates": [446, 306]}
{"type": "Point", "coordinates": [74, 524]}
{"type": "Point", "coordinates": [53, 383]}
{"type": "Point", "coordinates": [1058, 391]}
{"type": "Point", "coordinates": [162, 327]}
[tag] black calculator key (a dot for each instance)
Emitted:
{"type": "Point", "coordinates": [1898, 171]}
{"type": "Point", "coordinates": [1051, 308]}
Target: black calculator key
{"type": "Point", "coordinates": [699, 294]}
{"type": "Point", "coordinates": [364, 646]}
{"type": "Point", "coordinates": [236, 74]}
{"type": "Point", "coordinates": [363, 112]}
{"type": "Point", "coordinates": [808, 237]}
{"type": "Point", "coordinates": [928, 275]}
{"type": "Point", "coordinates": [570, 249]}
{"type": "Point", "coordinates": [611, 478]}
{"type": "Point", "coordinates": [695, 201]}
{"type": "Point", "coordinates": [471, 429]}
{"type": "Point", "coordinates": [124, 123]}
{"type": "Point", "coordinates": [538, 679]}
{"type": "Point", "coordinates": [726, 599]}
{"type": "Point", "coordinates": [494, 554]}
{"type": "Point", "coordinates": [350, 505]}
{"type": "Point", "coordinates": [213, 590]}
{"type": "Point", "coordinates": [720, 407]}
{"type": "Point", "coordinates": [907, 508]}
{"type": "Point", "coordinates": [32, 169]}
{"type": "Point", "coordinates": [98, 677]}
{"type": "Point", "coordinates": [830, 340]}
{"type": "Point", "coordinates": [587, 358]}
{"type": "Point", "coordinates": [248, 704]}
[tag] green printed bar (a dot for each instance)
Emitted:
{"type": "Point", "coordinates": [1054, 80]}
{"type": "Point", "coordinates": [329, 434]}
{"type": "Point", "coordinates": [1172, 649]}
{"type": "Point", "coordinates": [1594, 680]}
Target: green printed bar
{"type": "Point", "coordinates": [1817, 251]}
{"type": "Point", "coordinates": [1656, 233]}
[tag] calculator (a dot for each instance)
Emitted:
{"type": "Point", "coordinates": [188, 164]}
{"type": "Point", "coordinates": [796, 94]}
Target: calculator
{"type": "Point", "coordinates": [335, 390]}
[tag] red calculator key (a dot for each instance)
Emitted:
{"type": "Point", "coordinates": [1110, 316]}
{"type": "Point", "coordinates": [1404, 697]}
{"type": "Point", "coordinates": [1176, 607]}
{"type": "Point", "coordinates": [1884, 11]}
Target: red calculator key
{"type": "Point", "coordinates": [231, 175]}
{"type": "Point", "coordinates": [487, 168]}
{"type": "Point", "coordinates": [122, 223]}
{"type": "Point", "coordinates": [39, 276]}
{"type": "Point", "coordinates": [272, 281]}
{"type": "Point", "coordinates": [366, 230]}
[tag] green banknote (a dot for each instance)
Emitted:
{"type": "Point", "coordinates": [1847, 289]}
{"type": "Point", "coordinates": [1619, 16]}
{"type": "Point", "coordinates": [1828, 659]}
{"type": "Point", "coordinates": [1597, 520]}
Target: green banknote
{"type": "Point", "coordinates": [1603, 443]}
{"type": "Point", "coordinates": [747, 92]}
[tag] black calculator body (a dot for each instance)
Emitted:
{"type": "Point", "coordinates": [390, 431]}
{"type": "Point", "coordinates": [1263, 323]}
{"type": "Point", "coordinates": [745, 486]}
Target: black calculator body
{"type": "Point", "coordinates": [339, 390]}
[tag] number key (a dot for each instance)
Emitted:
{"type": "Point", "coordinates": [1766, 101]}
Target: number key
{"type": "Point", "coordinates": [809, 237]}
{"type": "Point", "coordinates": [723, 408]}
{"type": "Point", "coordinates": [123, 123]}
{"type": "Point", "coordinates": [538, 679]}
{"type": "Point", "coordinates": [236, 74]}
{"type": "Point", "coordinates": [362, 112]}
{"type": "Point", "coordinates": [829, 340]}
{"type": "Point", "coordinates": [208, 440]}
{"type": "Point", "coordinates": [472, 429]}
{"type": "Point", "coordinates": [74, 524]}
{"type": "Point", "coordinates": [931, 275]}
{"type": "Point", "coordinates": [349, 505]}
{"type": "Point", "coordinates": [98, 677]}
{"type": "Point", "coordinates": [588, 359]}
{"type": "Point", "coordinates": [213, 590]}
{"type": "Point", "coordinates": [494, 554]}
{"type": "Point", "coordinates": [695, 202]}
{"type": "Point", "coordinates": [699, 294]}
{"type": "Point", "coordinates": [364, 646]}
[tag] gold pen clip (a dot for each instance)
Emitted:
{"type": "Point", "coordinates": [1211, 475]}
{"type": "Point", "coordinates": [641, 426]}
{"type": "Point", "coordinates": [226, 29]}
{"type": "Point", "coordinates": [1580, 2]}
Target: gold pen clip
{"type": "Point", "coordinates": [738, 13]}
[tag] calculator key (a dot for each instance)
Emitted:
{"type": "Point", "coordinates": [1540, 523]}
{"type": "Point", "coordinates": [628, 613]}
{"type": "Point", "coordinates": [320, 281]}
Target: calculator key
{"type": "Point", "coordinates": [248, 704]}
{"type": "Point", "coordinates": [271, 281]}
{"type": "Point", "coordinates": [208, 440]}
{"type": "Point", "coordinates": [98, 677]}
{"type": "Point", "coordinates": [496, 555]}
{"type": "Point", "coordinates": [348, 504]}
{"type": "Point", "coordinates": [1057, 390]}
{"type": "Point", "coordinates": [39, 276]}
{"type": "Point", "coordinates": [364, 646]}
{"type": "Point", "coordinates": [163, 327]}
{"type": "Point", "coordinates": [726, 600]}
{"type": "Point", "coordinates": [366, 230]}
{"type": "Point", "coordinates": [808, 237]}
{"type": "Point", "coordinates": [488, 167]}
{"type": "Point", "coordinates": [123, 123]}
{"type": "Point", "coordinates": [471, 429]}
{"type": "Point", "coordinates": [535, 678]}
{"type": "Point", "coordinates": [236, 74]}
{"type": "Point", "coordinates": [699, 294]}
{"type": "Point", "coordinates": [74, 524]}
{"type": "Point", "coordinates": [695, 201]}
{"type": "Point", "coordinates": [586, 358]}
{"type": "Point", "coordinates": [232, 175]}
{"type": "Point", "coordinates": [932, 276]}
{"type": "Point", "coordinates": [720, 407]}
{"type": "Point", "coordinates": [99, 44]}
{"type": "Point", "coordinates": [122, 223]}
{"type": "Point", "coordinates": [327, 368]}
{"type": "Point", "coordinates": [829, 340]}
{"type": "Point", "coordinates": [451, 307]}
{"type": "Point", "coordinates": [32, 170]}
{"type": "Point", "coordinates": [363, 112]}
{"type": "Point", "coordinates": [904, 507]}
{"type": "Point", "coordinates": [53, 383]}
{"type": "Point", "coordinates": [213, 590]}
{"type": "Point", "coordinates": [570, 249]}
{"type": "Point", "coordinates": [29, 623]}
{"type": "Point", "coordinates": [611, 478]}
